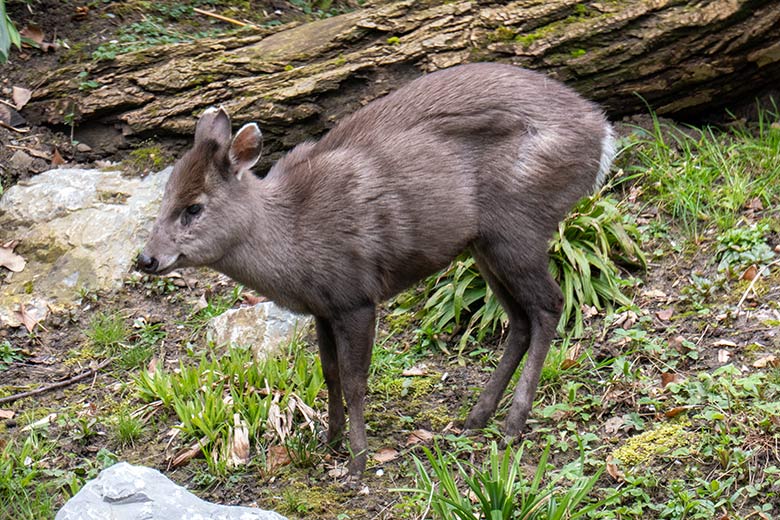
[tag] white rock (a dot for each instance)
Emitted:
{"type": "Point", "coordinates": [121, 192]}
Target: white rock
{"type": "Point", "coordinates": [265, 327]}
{"type": "Point", "coordinates": [77, 229]}
{"type": "Point", "coordinates": [127, 492]}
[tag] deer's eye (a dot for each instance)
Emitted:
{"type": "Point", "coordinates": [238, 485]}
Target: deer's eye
{"type": "Point", "coordinates": [190, 212]}
{"type": "Point", "coordinates": [194, 209]}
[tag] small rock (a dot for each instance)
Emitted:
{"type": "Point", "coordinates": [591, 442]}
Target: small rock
{"type": "Point", "coordinates": [127, 492]}
{"type": "Point", "coordinates": [82, 147]}
{"type": "Point", "coordinates": [265, 327]}
{"type": "Point", "coordinates": [20, 160]}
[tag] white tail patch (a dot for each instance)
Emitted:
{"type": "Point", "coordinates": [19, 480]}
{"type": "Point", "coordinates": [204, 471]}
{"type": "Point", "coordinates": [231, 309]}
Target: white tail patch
{"type": "Point", "coordinates": [607, 154]}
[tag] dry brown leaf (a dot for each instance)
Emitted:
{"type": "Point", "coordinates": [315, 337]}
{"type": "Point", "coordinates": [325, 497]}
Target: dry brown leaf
{"type": "Point", "coordinates": [669, 377]}
{"type": "Point", "coordinates": [28, 320]}
{"type": "Point", "coordinates": [7, 414]}
{"type": "Point", "coordinates": [56, 158]}
{"type": "Point", "coordinates": [674, 412]}
{"type": "Point", "coordinates": [80, 12]}
{"type": "Point", "coordinates": [238, 443]}
{"type": "Point", "coordinates": [338, 472]}
{"type": "Point", "coordinates": [33, 32]}
{"type": "Point", "coordinates": [277, 457]}
{"type": "Point", "coordinates": [190, 452]}
{"type": "Point", "coordinates": [419, 436]}
{"type": "Point", "coordinates": [677, 343]}
{"type": "Point", "coordinates": [750, 273]}
{"type": "Point", "coordinates": [755, 204]}
{"type": "Point", "coordinates": [613, 425]}
{"type": "Point", "coordinates": [588, 311]}
{"type": "Point", "coordinates": [572, 355]}
{"type": "Point", "coordinates": [36, 34]}
{"type": "Point", "coordinates": [723, 356]}
{"type": "Point", "coordinates": [614, 471]}
{"type": "Point", "coordinates": [415, 371]}
{"type": "Point", "coordinates": [769, 360]}
{"type": "Point", "coordinates": [251, 299]}
{"type": "Point", "coordinates": [386, 455]}
{"type": "Point", "coordinates": [655, 294]}
{"type": "Point", "coordinates": [152, 366]}
{"type": "Point", "coordinates": [21, 96]}
{"type": "Point", "coordinates": [665, 315]}
{"type": "Point", "coordinates": [724, 343]}
{"type": "Point", "coordinates": [9, 259]}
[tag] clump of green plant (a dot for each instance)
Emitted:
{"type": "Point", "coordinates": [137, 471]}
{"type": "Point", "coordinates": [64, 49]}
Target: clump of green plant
{"type": "Point", "coordinates": [147, 158]}
{"type": "Point", "coordinates": [585, 254]}
{"type": "Point", "coordinates": [270, 398]}
{"type": "Point", "coordinates": [700, 291]}
{"type": "Point", "coordinates": [26, 493]}
{"type": "Point", "coordinates": [8, 35]}
{"type": "Point", "coordinates": [8, 354]}
{"type": "Point", "coordinates": [497, 489]}
{"type": "Point", "coordinates": [127, 428]}
{"type": "Point", "coordinates": [743, 246]}
{"type": "Point", "coordinates": [319, 8]}
{"type": "Point", "coordinates": [107, 332]}
{"type": "Point", "coordinates": [149, 32]}
{"type": "Point", "coordinates": [704, 177]}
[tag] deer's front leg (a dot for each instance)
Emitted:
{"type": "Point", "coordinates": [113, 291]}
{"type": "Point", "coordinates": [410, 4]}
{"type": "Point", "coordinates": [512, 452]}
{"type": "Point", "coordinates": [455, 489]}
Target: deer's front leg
{"type": "Point", "coordinates": [353, 332]}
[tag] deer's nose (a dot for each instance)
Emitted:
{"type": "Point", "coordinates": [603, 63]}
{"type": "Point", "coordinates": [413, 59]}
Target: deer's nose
{"type": "Point", "coordinates": [147, 264]}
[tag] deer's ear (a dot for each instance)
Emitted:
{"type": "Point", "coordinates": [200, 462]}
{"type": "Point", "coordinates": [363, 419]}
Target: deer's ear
{"type": "Point", "coordinates": [246, 148]}
{"type": "Point", "coordinates": [214, 124]}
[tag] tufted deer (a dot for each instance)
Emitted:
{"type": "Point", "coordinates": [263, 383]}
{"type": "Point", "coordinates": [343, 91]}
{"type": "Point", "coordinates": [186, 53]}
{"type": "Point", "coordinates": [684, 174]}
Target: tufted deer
{"type": "Point", "coordinates": [485, 157]}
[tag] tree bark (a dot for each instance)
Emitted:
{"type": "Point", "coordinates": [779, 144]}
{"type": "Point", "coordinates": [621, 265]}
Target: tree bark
{"type": "Point", "coordinates": [682, 58]}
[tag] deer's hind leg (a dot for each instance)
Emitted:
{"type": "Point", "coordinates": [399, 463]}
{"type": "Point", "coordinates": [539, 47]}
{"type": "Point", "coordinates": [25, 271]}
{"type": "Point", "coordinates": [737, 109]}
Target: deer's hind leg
{"type": "Point", "coordinates": [534, 303]}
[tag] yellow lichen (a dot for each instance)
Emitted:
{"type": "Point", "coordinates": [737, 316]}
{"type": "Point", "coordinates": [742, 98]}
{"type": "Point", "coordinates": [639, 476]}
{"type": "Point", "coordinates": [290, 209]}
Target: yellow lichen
{"type": "Point", "coordinates": [664, 439]}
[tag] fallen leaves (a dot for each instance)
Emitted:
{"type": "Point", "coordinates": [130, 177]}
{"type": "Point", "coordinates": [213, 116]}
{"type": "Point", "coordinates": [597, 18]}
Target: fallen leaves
{"type": "Point", "coordinates": [190, 452]}
{"type": "Point", "coordinates": [21, 96]}
{"type": "Point", "coordinates": [10, 260]}
{"type": "Point", "coordinates": [7, 414]}
{"type": "Point", "coordinates": [29, 319]}
{"type": "Point", "coordinates": [613, 425]}
{"type": "Point", "coordinates": [238, 443]}
{"type": "Point", "coordinates": [415, 371]}
{"type": "Point", "coordinates": [769, 360]}
{"type": "Point", "coordinates": [34, 36]}
{"type": "Point", "coordinates": [750, 273]}
{"type": "Point", "coordinates": [277, 457]}
{"type": "Point", "coordinates": [419, 437]}
{"type": "Point", "coordinates": [668, 378]}
{"type": "Point", "coordinates": [572, 355]}
{"type": "Point", "coordinates": [613, 471]}
{"type": "Point", "coordinates": [56, 158]}
{"type": "Point", "coordinates": [677, 410]}
{"type": "Point", "coordinates": [386, 455]}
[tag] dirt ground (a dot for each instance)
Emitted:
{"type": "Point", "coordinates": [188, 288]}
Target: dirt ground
{"type": "Point", "coordinates": [54, 353]}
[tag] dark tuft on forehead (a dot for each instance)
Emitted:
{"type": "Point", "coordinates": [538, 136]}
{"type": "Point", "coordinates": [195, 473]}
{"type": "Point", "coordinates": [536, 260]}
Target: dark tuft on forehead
{"type": "Point", "coordinates": [194, 168]}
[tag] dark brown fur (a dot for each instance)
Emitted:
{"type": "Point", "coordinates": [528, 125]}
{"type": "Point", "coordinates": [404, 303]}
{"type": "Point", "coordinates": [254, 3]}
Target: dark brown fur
{"type": "Point", "coordinates": [487, 157]}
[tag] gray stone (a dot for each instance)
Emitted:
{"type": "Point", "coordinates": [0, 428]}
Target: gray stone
{"type": "Point", "coordinates": [78, 229]}
{"type": "Point", "coordinates": [20, 160]}
{"type": "Point", "coordinates": [265, 327]}
{"type": "Point", "coordinates": [127, 492]}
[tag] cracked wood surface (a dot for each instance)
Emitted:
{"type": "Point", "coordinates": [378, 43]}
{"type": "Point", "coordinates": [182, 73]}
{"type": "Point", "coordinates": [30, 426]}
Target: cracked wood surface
{"type": "Point", "coordinates": [681, 57]}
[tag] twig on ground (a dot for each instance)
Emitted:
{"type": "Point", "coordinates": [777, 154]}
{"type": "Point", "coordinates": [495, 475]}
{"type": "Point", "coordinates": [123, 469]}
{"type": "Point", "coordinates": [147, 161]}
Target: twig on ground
{"type": "Point", "coordinates": [9, 127]}
{"type": "Point", "coordinates": [54, 386]}
{"type": "Point", "coordinates": [225, 18]}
